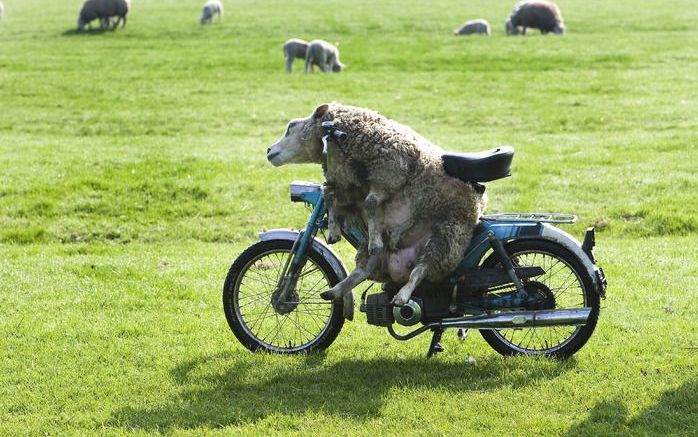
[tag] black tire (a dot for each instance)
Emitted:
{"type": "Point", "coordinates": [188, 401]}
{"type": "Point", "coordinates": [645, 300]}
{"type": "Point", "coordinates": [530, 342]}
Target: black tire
{"type": "Point", "coordinates": [520, 252]}
{"type": "Point", "coordinates": [326, 316]}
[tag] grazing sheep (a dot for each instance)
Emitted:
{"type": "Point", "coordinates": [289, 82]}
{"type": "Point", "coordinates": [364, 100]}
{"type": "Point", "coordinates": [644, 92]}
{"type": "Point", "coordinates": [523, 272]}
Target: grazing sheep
{"type": "Point", "coordinates": [103, 10]}
{"type": "Point", "coordinates": [107, 23]}
{"type": "Point", "coordinates": [324, 55]}
{"type": "Point", "coordinates": [211, 8]}
{"type": "Point", "coordinates": [480, 27]}
{"type": "Point", "coordinates": [537, 14]}
{"type": "Point", "coordinates": [294, 49]}
{"type": "Point", "coordinates": [418, 219]}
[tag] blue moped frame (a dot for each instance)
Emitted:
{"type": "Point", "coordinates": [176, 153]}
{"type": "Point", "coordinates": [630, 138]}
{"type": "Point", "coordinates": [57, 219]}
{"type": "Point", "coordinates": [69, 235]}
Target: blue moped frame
{"type": "Point", "coordinates": [499, 227]}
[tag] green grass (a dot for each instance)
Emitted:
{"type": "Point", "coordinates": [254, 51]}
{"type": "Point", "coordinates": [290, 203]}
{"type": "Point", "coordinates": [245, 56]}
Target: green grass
{"type": "Point", "coordinates": [133, 173]}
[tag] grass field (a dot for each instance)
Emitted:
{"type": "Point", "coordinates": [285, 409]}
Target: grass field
{"type": "Point", "coordinates": [133, 173]}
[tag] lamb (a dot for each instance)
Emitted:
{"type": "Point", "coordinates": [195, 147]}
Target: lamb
{"type": "Point", "coordinates": [324, 55]}
{"type": "Point", "coordinates": [103, 10]}
{"type": "Point", "coordinates": [418, 220]}
{"type": "Point", "coordinates": [480, 26]}
{"type": "Point", "coordinates": [537, 14]}
{"type": "Point", "coordinates": [294, 49]}
{"type": "Point", "coordinates": [211, 8]}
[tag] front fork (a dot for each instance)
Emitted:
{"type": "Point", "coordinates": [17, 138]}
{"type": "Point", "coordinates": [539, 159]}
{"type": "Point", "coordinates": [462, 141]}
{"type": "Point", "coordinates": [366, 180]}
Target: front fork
{"type": "Point", "coordinates": [285, 294]}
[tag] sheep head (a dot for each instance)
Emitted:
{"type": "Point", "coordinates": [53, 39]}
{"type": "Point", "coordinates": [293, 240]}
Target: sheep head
{"type": "Point", "coordinates": [302, 142]}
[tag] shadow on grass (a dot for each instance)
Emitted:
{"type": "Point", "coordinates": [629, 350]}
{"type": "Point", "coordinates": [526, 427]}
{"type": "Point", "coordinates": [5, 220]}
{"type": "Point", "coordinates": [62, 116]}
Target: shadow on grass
{"type": "Point", "coordinates": [676, 413]}
{"type": "Point", "coordinates": [226, 389]}
{"type": "Point", "coordinates": [93, 32]}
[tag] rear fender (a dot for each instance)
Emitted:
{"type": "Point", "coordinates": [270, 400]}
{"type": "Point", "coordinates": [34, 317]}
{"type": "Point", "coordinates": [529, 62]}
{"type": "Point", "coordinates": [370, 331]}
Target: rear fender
{"type": "Point", "coordinates": [332, 258]}
{"type": "Point", "coordinates": [511, 231]}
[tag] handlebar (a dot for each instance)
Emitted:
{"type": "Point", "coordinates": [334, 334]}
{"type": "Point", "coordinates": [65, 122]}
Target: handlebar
{"type": "Point", "coordinates": [330, 130]}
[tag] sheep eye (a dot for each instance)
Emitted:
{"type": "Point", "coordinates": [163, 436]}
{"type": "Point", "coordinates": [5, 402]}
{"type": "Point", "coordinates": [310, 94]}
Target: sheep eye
{"type": "Point", "coordinates": [288, 129]}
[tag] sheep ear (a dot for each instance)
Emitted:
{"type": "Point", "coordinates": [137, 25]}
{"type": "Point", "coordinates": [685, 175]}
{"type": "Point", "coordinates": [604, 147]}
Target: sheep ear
{"type": "Point", "coordinates": [321, 110]}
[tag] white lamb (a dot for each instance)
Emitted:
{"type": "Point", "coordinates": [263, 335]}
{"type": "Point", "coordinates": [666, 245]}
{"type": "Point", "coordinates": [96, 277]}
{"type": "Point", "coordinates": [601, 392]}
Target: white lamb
{"type": "Point", "coordinates": [211, 8]}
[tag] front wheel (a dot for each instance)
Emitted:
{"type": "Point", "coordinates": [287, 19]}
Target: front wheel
{"type": "Point", "coordinates": [303, 324]}
{"type": "Point", "coordinates": [565, 284]}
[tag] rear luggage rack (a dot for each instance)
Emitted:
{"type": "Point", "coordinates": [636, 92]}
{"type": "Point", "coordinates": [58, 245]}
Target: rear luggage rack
{"type": "Point", "coordinates": [531, 217]}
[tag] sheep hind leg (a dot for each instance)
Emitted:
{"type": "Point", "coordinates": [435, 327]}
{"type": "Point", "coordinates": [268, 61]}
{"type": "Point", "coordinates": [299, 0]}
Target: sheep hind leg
{"type": "Point", "coordinates": [372, 205]}
{"type": "Point", "coordinates": [355, 278]}
{"type": "Point", "coordinates": [440, 255]}
{"type": "Point", "coordinates": [416, 276]}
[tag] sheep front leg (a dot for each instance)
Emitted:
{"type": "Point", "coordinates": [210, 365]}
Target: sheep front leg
{"type": "Point", "coordinates": [372, 206]}
{"type": "Point", "coordinates": [334, 231]}
{"type": "Point", "coordinates": [355, 278]}
{"type": "Point", "coordinates": [289, 63]}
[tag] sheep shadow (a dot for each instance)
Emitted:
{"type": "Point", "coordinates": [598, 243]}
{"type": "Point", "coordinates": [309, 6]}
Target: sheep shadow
{"type": "Point", "coordinates": [675, 413]}
{"type": "Point", "coordinates": [92, 32]}
{"type": "Point", "coordinates": [222, 390]}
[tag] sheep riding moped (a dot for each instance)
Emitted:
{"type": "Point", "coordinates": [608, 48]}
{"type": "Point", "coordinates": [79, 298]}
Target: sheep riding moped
{"type": "Point", "coordinates": [527, 286]}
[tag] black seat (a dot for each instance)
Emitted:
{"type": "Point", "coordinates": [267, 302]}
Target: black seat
{"type": "Point", "coordinates": [479, 167]}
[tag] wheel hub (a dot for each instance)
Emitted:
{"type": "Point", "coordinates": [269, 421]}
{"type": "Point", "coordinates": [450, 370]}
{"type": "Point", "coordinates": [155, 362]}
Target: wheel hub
{"type": "Point", "coordinates": [540, 297]}
{"type": "Point", "coordinates": [285, 298]}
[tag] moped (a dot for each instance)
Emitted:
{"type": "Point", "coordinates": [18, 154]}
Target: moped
{"type": "Point", "coordinates": [528, 287]}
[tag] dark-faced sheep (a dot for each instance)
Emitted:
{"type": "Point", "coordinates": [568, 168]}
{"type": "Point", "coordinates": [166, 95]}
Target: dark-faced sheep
{"type": "Point", "coordinates": [541, 15]}
{"type": "Point", "coordinates": [103, 10]}
{"type": "Point", "coordinates": [474, 27]}
{"type": "Point", "coordinates": [210, 9]}
{"type": "Point", "coordinates": [418, 219]}
{"type": "Point", "coordinates": [294, 49]}
{"type": "Point", "coordinates": [324, 55]}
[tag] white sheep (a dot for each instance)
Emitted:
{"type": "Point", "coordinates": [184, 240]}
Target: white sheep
{"type": "Point", "coordinates": [324, 55]}
{"type": "Point", "coordinates": [294, 48]}
{"type": "Point", "coordinates": [103, 10]}
{"type": "Point", "coordinates": [211, 8]}
{"type": "Point", "coordinates": [480, 26]}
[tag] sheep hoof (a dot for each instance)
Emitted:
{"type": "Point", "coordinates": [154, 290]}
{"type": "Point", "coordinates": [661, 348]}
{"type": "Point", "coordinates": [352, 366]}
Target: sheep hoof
{"type": "Point", "coordinates": [333, 238]}
{"type": "Point", "coordinates": [330, 295]}
{"type": "Point", "coordinates": [375, 247]}
{"type": "Point", "coordinates": [399, 300]}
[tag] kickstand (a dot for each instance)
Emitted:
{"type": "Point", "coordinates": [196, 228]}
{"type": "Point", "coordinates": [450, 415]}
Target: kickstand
{"type": "Point", "coordinates": [435, 346]}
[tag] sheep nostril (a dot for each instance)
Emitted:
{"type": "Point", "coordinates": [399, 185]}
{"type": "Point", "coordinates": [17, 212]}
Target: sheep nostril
{"type": "Point", "coordinates": [268, 150]}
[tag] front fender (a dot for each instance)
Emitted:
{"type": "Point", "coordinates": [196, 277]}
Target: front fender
{"type": "Point", "coordinates": [332, 258]}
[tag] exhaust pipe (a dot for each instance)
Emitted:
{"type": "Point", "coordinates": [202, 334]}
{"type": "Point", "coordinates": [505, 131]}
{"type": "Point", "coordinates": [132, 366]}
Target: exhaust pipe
{"type": "Point", "coordinates": [526, 319]}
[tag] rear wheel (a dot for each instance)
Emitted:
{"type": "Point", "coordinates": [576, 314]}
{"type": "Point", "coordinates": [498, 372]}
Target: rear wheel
{"type": "Point", "coordinates": [565, 284]}
{"type": "Point", "coordinates": [303, 324]}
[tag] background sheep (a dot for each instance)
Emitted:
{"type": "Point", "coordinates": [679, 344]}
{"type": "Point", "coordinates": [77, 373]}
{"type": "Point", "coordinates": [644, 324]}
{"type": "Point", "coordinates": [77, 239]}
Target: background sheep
{"type": "Point", "coordinates": [324, 55]}
{"type": "Point", "coordinates": [103, 9]}
{"type": "Point", "coordinates": [481, 27]}
{"type": "Point", "coordinates": [541, 15]}
{"type": "Point", "coordinates": [419, 220]}
{"type": "Point", "coordinates": [210, 9]}
{"type": "Point", "coordinates": [294, 49]}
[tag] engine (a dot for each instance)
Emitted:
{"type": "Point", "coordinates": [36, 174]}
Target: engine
{"type": "Point", "coordinates": [421, 308]}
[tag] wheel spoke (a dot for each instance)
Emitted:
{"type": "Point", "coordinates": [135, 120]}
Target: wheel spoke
{"type": "Point", "coordinates": [565, 288]}
{"type": "Point", "coordinates": [300, 321]}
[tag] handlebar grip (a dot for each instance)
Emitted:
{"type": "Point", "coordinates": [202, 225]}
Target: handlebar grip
{"type": "Point", "coordinates": [339, 135]}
